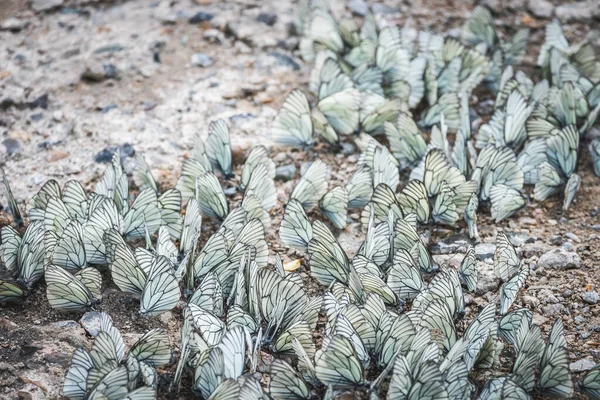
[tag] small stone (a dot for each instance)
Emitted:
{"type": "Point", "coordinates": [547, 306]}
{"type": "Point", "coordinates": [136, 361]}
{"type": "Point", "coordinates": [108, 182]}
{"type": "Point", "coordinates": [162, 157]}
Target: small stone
{"type": "Point", "coordinates": [567, 293]}
{"type": "Point", "coordinates": [553, 309]}
{"type": "Point", "coordinates": [12, 146]}
{"type": "Point", "coordinates": [541, 8]}
{"type": "Point", "coordinates": [108, 108]}
{"type": "Point", "coordinates": [519, 239]}
{"type": "Point", "coordinates": [585, 364]}
{"type": "Point", "coordinates": [105, 155]}
{"type": "Point", "coordinates": [590, 297]}
{"type": "Point", "coordinates": [12, 24]}
{"type": "Point", "coordinates": [213, 36]}
{"type": "Point", "coordinates": [230, 191]}
{"type": "Point", "coordinates": [359, 7]}
{"type": "Point", "coordinates": [484, 250]}
{"type": "Point", "coordinates": [285, 172]}
{"type": "Point", "coordinates": [95, 71]}
{"type": "Point", "coordinates": [267, 18]}
{"type": "Point", "coordinates": [348, 148]}
{"type": "Point", "coordinates": [579, 319]}
{"type": "Point", "coordinates": [379, 8]}
{"type": "Point", "coordinates": [57, 155]}
{"type": "Point", "coordinates": [111, 48]}
{"type": "Point", "coordinates": [239, 119]}
{"type": "Point", "coordinates": [202, 60]}
{"type": "Point", "coordinates": [586, 334]}
{"type": "Point", "coordinates": [201, 16]}
{"type": "Point", "coordinates": [573, 237]}
{"type": "Point", "coordinates": [69, 323]}
{"type": "Point", "coordinates": [91, 322]}
{"type": "Point", "coordinates": [531, 301]}
{"type": "Point", "coordinates": [126, 150]}
{"type": "Point", "coordinates": [560, 259]}
{"type": "Point", "coordinates": [555, 240]}
{"type": "Point", "coordinates": [451, 245]}
{"type": "Point", "coordinates": [285, 60]}
{"type": "Point", "coordinates": [584, 10]}
{"type": "Point", "coordinates": [45, 5]}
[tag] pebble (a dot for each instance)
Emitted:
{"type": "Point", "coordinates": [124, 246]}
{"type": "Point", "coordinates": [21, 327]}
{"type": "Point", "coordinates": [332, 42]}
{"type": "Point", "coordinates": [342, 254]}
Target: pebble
{"type": "Point", "coordinates": [541, 8]}
{"type": "Point", "coordinates": [586, 334]}
{"type": "Point", "coordinates": [12, 24]}
{"type": "Point", "coordinates": [230, 191]}
{"type": "Point", "coordinates": [239, 119]}
{"type": "Point", "coordinates": [285, 60]}
{"type": "Point", "coordinates": [590, 297]}
{"type": "Point", "coordinates": [553, 309]}
{"type": "Point", "coordinates": [285, 172]}
{"type": "Point", "coordinates": [105, 155]}
{"type": "Point", "coordinates": [201, 16]}
{"type": "Point", "coordinates": [359, 7]}
{"type": "Point", "coordinates": [579, 319]}
{"type": "Point", "coordinates": [581, 10]}
{"type": "Point", "coordinates": [90, 321]}
{"type": "Point", "coordinates": [560, 259]}
{"type": "Point", "coordinates": [585, 364]}
{"type": "Point", "coordinates": [348, 148]}
{"type": "Point", "coordinates": [96, 71]}
{"type": "Point", "coordinates": [66, 324]}
{"type": "Point", "coordinates": [202, 60]}
{"type": "Point", "coordinates": [454, 244]}
{"type": "Point", "coordinates": [57, 155]}
{"type": "Point", "coordinates": [484, 250]}
{"type": "Point", "coordinates": [573, 237]}
{"type": "Point", "coordinates": [519, 239]}
{"type": "Point", "coordinates": [45, 5]}
{"type": "Point", "coordinates": [267, 18]}
{"type": "Point", "coordinates": [12, 146]}
{"type": "Point", "coordinates": [111, 48]}
{"type": "Point", "coordinates": [531, 301]}
{"type": "Point", "coordinates": [127, 150]}
{"type": "Point", "coordinates": [108, 108]}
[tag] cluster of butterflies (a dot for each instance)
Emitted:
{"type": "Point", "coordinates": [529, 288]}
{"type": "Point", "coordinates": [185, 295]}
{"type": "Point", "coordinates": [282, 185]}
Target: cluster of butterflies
{"type": "Point", "coordinates": [106, 372]}
{"type": "Point", "coordinates": [370, 79]}
{"type": "Point", "coordinates": [390, 308]}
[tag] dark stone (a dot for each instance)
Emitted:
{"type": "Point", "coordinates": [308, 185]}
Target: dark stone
{"type": "Point", "coordinates": [201, 16]}
{"type": "Point", "coordinates": [41, 102]}
{"type": "Point", "coordinates": [241, 118]}
{"type": "Point", "coordinates": [267, 18]}
{"type": "Point", "coordinates": [12, 146]}
{"type": "Point", "coordinates": [110, 71]}
{"type": "Point", "coordinates": [111, 48]}
{"type": "Point", "coordinates": [105, 155]}
{"type": "Point", "coordinates": [108, 108]}
{"type": "Point", "coordinates": [285, 60]}
{"type": "Point", "coordinates": [127, 150]}
{"type": "Point", "coordinates": [285, 172]}
{"type": "Point", "coordinates": [36, 117]}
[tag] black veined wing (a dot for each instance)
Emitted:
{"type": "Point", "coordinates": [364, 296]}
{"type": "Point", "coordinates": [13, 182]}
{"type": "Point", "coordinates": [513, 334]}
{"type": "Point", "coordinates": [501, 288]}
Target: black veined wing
{"type": "Point", "coordinates": [382, 203]}
{"type": "Point", "coordinates": [312, 185]}
{"type": "Point", "coordinates": [407, 238]}
{"type": "Point", "coordinates": [69, 252]}
{"type": "Point", "coordinates": [262, 186]}
{"type": "Point", "coordinates": [208, 325]}
{"type": "Point", "coordinates": [571, 189]}
{"type": "Point", "coordinates": [142, 177]}
{"type": "Point", "coordinates": [190, 171]}
{"type": "Point", "coordinates": [404, 277]}
{"type": "Point", "coordinates": [509, 290]}
{"type": "Point", "coordinates": [509, 323]}
{"type": "Point", "coordinates": [295, 230]}
{"type": "Point", "coordinates": [37, 204]}
{"type": "Point", "coordinates": [366, 78]}
{"type": "Point", "coordinates": [112, 386]}
{"type": "Point", "coordinates": [209, 295]}
{"type": "Point", "coordinates": [161, 292]}
{"type": "Point", "coordinates": [75, 383]}
{"type": "Point", "coordinates": [438, 317]}
{"type": "Point", "coordinates": [254, 210]}
{"type": "Point", "coordinates": [502, 169]}
{"type": "Point", "coordinates": [102, 216]}
{"type": "Point", "coordinates": [236, 316]}
{"type": "Point", "coordinates": [444, 209]}
{"type": "Point", "coordinates": [471, 215]}
{"type": "Point", "coordinates": [142, 393]}
{"type": "Point", "coordinates": [323, 128]}
{"type": "Point", "coordinates": [562, 150]}
{"type": "Point", "coordinates": [315, 73]}
{"type": "Point", "coordinates": [66, 292]}
{"type": "Point", "coordinates": [218, 147]}
{"type": "Point", "coordinates": [285, 384]}
{"type": "Point", "coordinates": [75, 199]}
{"type": "Point", "coordinates": [143, 215]}
{"type": "Point", "coordinates": [293, 124]}
{"type": "Point", "coordinates": [124, 268]}
{"type": "Point", "coordinates": [548, 182]}
{"type": "Point", "coordinates": [406, 141]}
{"type": "Point", "coordinates": [505, 202]}
{"type": "Point", "coordinates": [529, 351]}
{"type": "Point", "coordinates": [30, 257]}
{"type": "Point", "coordinates": [9, 249]}
{"type": "Point", "coordinates": [426, 382]}
{"type": "Point", "coordinates": [506, 260]}
{"type": "Point", "coordinates": [210, 196]}
{"type": "Point", "coordinates": [334, 205]}
{"type": "Point", "coordinates": [503, 388]}
{"type": "Point", "coordinates": [56, 215]}
{"type": "Point", "coordinates": [414, 199]}
{"type": "Point", "coordinates": [258, 156]}
{"type": "Point", "coordinates": [213, 254]}
{"type": "Point", "coordinates": [332, 79]}
{"type": "Point", "coordinates": [169, 204]}
{"type": "Point", "coordinates": [209, 372]}
{"type": "Point", "coordinates": [165, 246]}
{"type": "Point", "coordinates": [320, 32]}
{"type": "Point", "coordinates": [438, 170]}
{"type": "Point", "coordinates": [12, 203]}
{"type": "Point", "coordinates": [376, 110]}
{"type": "Point", "coordinates": [341, 110]}
{"type": "Point", "coordinates": [11, 291]}
{"type": "Point", "coordinates": [448, 106]}
{"type": "Point", "coordinates": [589, 384]}
{"type": "Point", "coordinates": [328, 261]}
{"type": "Point", "coordinates": [360, 187]}
{"type": "Point", "coordinates": [401, 330]}
{"type": "Point", "coordinates": [192, 224]}
{"type": "Point", "coordinates": [384, 168]}
{"type": "Point", "coordinates": [114, 183]}
{"type": "Point", "coordinates": [233, 346]}
{"type": "Point", "coordinates": [152, 348]}
{"type": "Point", "coordinates": [530, 158]}
{"type": "Point", "coordinates": [555, 375]}
{"type": "Point", "coordinates": [376, 247]}
{"type": "Point", "coordinates": [339, 365]}
{"type": "Point", "coordinates": [106, 325]}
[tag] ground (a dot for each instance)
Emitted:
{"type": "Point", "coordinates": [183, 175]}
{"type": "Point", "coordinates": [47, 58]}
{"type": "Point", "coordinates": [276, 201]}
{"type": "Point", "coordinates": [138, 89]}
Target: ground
{"type": "Point", "coordinates": [81, 76]}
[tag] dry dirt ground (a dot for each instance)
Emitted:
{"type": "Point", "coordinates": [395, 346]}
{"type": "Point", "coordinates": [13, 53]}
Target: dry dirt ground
{"type": "Point", "coordinates": [80, 76]}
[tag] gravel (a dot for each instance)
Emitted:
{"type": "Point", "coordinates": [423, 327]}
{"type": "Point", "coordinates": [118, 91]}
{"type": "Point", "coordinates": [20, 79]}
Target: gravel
{"type": "Point", "coordinates": [582, 365]}
{"type": "Point", "coordinates": [202, 60]}
{"type": "Point", "coordinates": [560, 259]}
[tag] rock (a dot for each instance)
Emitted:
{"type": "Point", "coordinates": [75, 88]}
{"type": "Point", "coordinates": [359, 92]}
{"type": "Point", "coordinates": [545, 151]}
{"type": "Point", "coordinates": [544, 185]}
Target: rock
{"type": "Point", "coordinates": [12, 146]}
{"type": "Point", "coordinates": [590, 297]}
{"type": "Point", "coordinates": [553, 309]}
{"type": "Point", "coordinates": [90, 321]}
{"type": "Point", "coordinates": [96, 71]}
{"type": "Point", "coordinates": [541, 8]}
{"type": "Point", "coordinates": [202, 60]}
{"type": "Point", "coordinates": [379, 8]}
{"type": "Point", "coordinates": [213, 36]}
{"type": "Point", "coordinates": [69, 323]}
{"type": "Point", "coordinates": [359, 7]}
{"type": "Point", "coordinates": [555, 240]}
{"type": "Point", "coordinates": [239, 119]}
{"type": "Point", "coordinates": [57, 155]}
{"type": "Point", "coordinates": [111, 48]}
{"type": "Point", "coordinates": [230, 191]}
{"type": "Point", "coordinates": [108, 108]}
{"type": "Point", "coordinates": [581, 10]}
{"type": "Point", "coordinates": [285, 60]}
{"type": "Point", "coordinates": [45, 5]}
{"type": "Point", "coordinates": [519, 239]}
{"type": "Point", "coordinates": [579, 319]}
{"type": "Point", "coordinates": [486, 280]}
{"type": "Point", "coordinates": [201, 16]}
{"type": "Point", "coordinates": [484, 250]}
{"type": "Point", "coordinates": [285, 172]}
{"type": "Point", "coordinates": [585, 364]}
{"type": "Point", "coordinates": [348, 148]}
{"type": "Point", "coordinates": [267, 18]}
{"type": "Point", "coordinates": [559, 259]}
{"type": "Point", "coordinates": [13, 24]}
{"type": "Point", "coordinates": [105, 155]}
{"type": "Point", "coordinates": [531, 301]}
{"type": "Point", "coordinates": [451, 245]}
{"type": "Point", "coordinates": [573, 237]}
{"type": "Point", "coordinates": [126, 150]}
